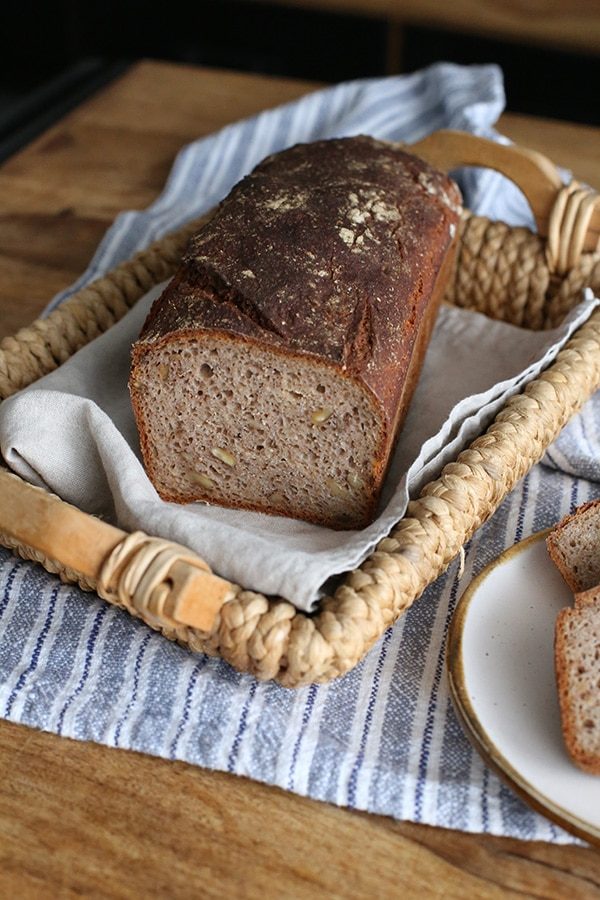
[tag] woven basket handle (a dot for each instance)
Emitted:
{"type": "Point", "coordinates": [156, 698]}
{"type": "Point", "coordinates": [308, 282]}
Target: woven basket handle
{"type": "Point", "coordinates": [568, 216]}
{"type": "Point", "coordinates": [163, 583]}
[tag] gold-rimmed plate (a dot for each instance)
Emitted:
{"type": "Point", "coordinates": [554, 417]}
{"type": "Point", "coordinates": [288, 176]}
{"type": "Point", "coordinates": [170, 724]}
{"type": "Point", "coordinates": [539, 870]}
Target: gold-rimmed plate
{"type": "Point", "coordinates": [501, 673]}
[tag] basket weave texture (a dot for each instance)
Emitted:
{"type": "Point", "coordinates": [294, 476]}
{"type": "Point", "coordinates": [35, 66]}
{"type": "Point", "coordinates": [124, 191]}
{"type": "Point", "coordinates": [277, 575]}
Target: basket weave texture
{"type": "Point", "coordinates": [500, 271]}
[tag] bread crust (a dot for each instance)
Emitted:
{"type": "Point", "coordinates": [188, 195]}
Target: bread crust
{"type": "Point", "coordinates": [365, 313]}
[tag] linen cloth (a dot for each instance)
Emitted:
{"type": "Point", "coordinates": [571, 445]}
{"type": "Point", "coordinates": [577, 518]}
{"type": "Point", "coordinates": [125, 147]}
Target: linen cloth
{"type": "Point", "coordinates": [384, 737]}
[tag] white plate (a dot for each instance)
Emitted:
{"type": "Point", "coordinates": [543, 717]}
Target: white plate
{"type": "Point", "coordinates": [501, 670]}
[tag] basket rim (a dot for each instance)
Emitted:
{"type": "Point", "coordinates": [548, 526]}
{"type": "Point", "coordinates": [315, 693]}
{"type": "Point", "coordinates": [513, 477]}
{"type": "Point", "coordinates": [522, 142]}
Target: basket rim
{"type": "Point", "coordinates": [269, 637]}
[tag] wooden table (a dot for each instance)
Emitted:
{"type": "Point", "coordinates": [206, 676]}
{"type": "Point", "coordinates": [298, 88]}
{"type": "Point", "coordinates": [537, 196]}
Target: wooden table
{"type": "Point", "coordinates": [81, 819]}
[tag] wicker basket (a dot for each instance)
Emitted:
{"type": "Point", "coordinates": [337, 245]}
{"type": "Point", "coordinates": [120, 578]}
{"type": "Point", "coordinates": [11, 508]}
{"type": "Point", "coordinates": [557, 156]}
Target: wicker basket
{"type": "Point", "coordinates": [506, 273]}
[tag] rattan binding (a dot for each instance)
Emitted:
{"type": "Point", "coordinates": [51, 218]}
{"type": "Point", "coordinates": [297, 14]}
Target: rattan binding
{"type": "Point", "coordinates": [502, 272]}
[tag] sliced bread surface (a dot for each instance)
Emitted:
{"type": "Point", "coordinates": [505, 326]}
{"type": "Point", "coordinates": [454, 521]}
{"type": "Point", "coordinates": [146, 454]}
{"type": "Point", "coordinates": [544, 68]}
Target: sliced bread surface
{"type": "Point", "coordinates": [577, 663]}
{"type": "Point", "coordinates": [574, 547]}
{"type": "Point", "coordinates": [258, 430]}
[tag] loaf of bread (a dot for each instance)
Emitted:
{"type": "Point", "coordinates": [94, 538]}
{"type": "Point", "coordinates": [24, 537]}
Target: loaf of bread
{"type": "Point", "coordinates": [275, 370]}
{"type": "Point", "coordinates": [574, 546]}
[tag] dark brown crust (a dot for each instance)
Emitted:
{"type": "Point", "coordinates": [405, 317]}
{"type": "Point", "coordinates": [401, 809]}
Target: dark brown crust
{"type": "Point", "coordinates": [333, 251]}
{"type": "Point", "coordinates": [365, 312]}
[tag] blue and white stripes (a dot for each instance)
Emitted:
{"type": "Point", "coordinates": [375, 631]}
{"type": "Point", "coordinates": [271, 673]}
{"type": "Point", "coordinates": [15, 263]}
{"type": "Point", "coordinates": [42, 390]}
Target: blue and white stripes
{"type": "Point", "coordinates": [384, 737]}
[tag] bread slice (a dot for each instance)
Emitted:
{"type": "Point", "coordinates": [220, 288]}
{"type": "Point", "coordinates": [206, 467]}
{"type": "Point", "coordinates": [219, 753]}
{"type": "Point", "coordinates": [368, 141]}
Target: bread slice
{"type": "Point", "coordinates": [574, 547]}
{"type": "Point", "coordinates": [276, 369]}
{"type": "Point", "coordinates": [577, 663]}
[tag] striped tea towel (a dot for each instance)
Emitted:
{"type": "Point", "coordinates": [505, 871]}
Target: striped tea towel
{"type": "Point", "coordinates": [384, 737]}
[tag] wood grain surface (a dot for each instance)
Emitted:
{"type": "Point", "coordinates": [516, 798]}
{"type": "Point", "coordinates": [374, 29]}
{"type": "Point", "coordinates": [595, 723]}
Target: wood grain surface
{"type": "Point", "coordinates": [79, 819]}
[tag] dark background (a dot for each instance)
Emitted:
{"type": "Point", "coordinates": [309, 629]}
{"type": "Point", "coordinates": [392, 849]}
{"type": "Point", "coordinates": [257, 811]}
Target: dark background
{"type": "Point", "coordinates": [54, 54]}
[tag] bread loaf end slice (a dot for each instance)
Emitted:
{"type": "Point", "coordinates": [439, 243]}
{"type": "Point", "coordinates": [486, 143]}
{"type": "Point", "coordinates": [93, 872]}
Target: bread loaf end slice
{"type": "Point", "coordinates": [277, 432]}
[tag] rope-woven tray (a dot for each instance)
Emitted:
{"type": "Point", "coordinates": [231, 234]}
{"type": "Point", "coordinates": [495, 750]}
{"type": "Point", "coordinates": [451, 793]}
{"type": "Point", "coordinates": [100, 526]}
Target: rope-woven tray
{"type": "Point", "coordinates": [507, 273]}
